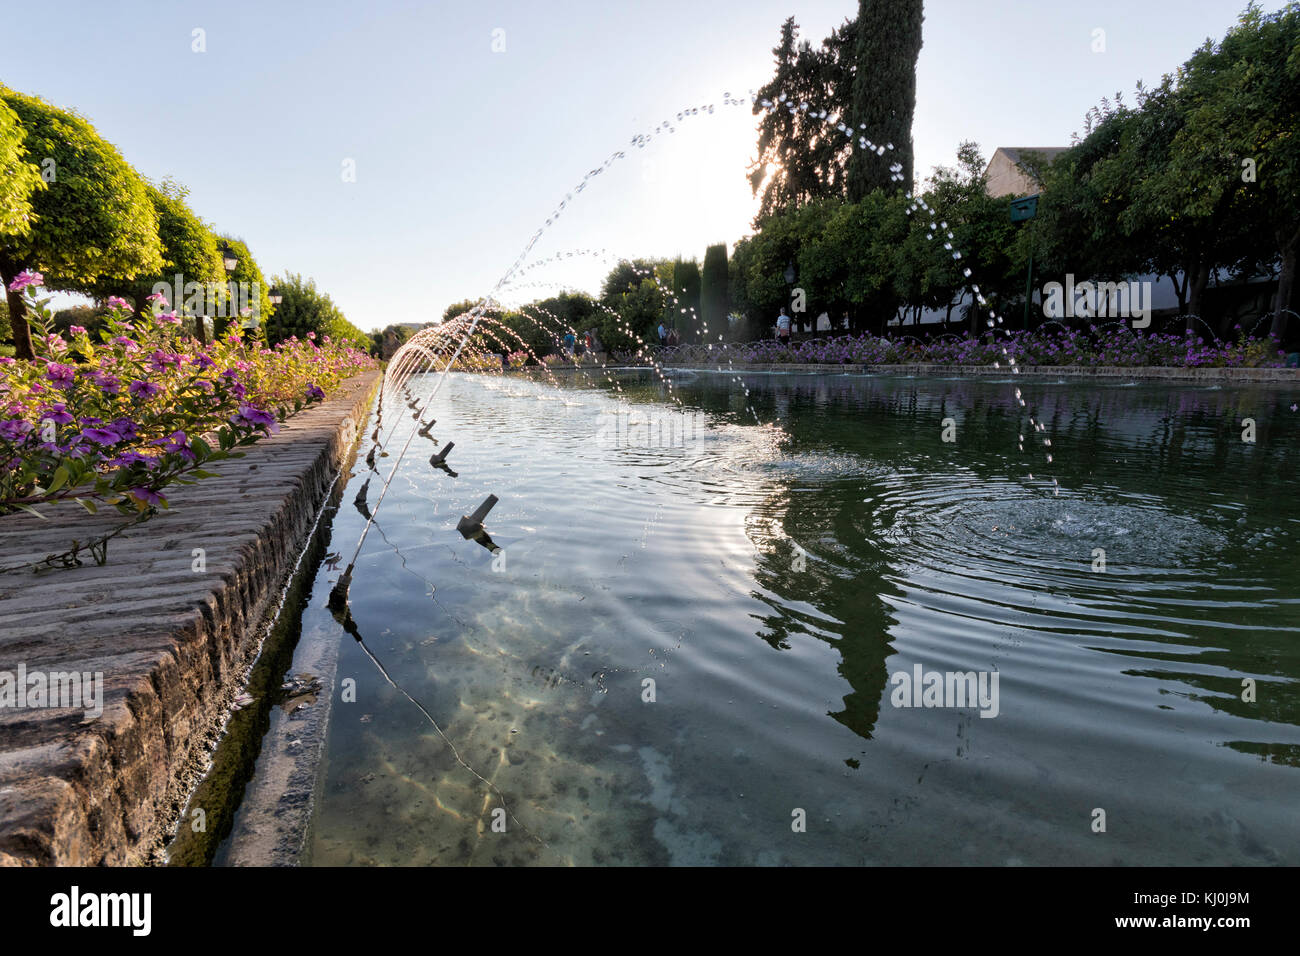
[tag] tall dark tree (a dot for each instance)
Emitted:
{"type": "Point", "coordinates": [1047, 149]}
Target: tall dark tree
{"type": "Point", "coordinates": [784, 170]}
{"type": "Point", "coordinates": [884, 92]}
{"type": "Point", "coordinates": [802, 157]}
{"type": "Point", "coordinates": [686, 286]}
{"type": "Point", "coordinates": [715, 302]}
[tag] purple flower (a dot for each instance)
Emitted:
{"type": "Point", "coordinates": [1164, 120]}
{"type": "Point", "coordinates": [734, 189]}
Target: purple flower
{"type": "Point", "coordinates": [114, 302]}
{"type": "Point", "coordinates": [142, 389]}
{"type": "Point", "coordinates": [111, 384]}
{"type": "Point", "coordinates": [126, 428]}
{"type": "Point", "coordinates": [147, 495]}
{"type": "Point", "coordinates": [102, 436]}
{"type": "Point", "coordinates": [15, 429]}
{"type": "Point", "coordinates": [128, 458]}
{"type": "Point", "coordinates": [250, 416]}
{"type": "Point", "coordinates": [177, 442]}
{"type": "Point", "coordinates": [315, 392]}
{"type": "Point", "coordinates": [168, 318]}
{"type": "Point", "coordinates": [60, 375]}
{"type": "Point", "coordinates": [58, 414]}
{"type": "Point", "coordinates": [24, 279]}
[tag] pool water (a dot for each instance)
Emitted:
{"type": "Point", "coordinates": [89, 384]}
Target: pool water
{"type": "Point", "coordinates": [692, 643]}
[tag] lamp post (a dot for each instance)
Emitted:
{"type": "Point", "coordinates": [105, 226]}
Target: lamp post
{"type": "Point", "coordinates": [230, 262]}
{"type": "Point", "coordinates": [1023, 210]}
{"type": "Point", "coordinates": [228, 257]}
{"type": "Point", "coordinates": [275, 297]}
{"type": "Point", "coordinates": [790, 276]}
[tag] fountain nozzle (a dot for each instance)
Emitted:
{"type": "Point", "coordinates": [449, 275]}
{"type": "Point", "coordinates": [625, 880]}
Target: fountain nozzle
{"type": "Point", "coordinates": [469, 525]}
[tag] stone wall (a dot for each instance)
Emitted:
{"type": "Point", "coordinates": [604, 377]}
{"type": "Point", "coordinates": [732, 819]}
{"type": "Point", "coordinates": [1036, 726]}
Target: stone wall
{"type": "Point", "coordinates": [171, 642]}
{"type": "Point", "coordinates": [1203, 376]}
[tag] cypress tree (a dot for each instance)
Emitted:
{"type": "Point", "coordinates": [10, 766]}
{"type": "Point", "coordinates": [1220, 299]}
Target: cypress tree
{"type": "Point", "coordinates": [686, 286]}
{"type": "Point", "coordinates": [714, 299]}
{"type": "Point", "coordinates": [884, 92]}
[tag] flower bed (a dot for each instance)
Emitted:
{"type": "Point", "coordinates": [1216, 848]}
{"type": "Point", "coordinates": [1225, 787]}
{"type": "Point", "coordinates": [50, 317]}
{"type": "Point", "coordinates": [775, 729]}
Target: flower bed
{"type": "Point", "coordinates": [117, 421]}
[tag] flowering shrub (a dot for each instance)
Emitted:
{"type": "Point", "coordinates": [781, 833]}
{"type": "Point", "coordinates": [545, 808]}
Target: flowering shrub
{"type": "Point", "coordinates": [118, 421]}
{"type": "Point", "coordinates": [1092, 347]}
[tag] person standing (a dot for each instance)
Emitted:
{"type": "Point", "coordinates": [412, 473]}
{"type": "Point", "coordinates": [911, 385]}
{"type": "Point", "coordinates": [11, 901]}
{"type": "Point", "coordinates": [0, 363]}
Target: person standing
{"type": "Point", "coordinates": [783, 328]}
{"type": "Point", "coordinates": [663, 336]}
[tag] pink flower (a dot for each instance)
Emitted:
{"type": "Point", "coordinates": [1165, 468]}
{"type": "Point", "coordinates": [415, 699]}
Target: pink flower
{"type": "Point", "coordinates": [60, 375]}
{"type": "Point", "coordinates": [76, 330]}
{"type": "Point", "coordinates": [168, 318]}
{"type": "Point", "coordinates": [115, 302]}
{"type": "Point", "coordinates": [25, 279]}
{"type": "Point", "coordinates": [157, 297]}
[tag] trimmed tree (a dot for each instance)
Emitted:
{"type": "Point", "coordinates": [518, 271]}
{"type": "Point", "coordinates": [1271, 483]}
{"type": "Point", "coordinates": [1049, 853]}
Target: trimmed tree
{"type": "Point", "coordinates": [686, 286]}
{"type": "Point", "coordinates": [189, 249]}
{"type": "Point", "coordinates": [19, 177]}
{"type": "Point", "coordinates": [95, 219]}
{"type": "Point", "coordinates": [715, 300]}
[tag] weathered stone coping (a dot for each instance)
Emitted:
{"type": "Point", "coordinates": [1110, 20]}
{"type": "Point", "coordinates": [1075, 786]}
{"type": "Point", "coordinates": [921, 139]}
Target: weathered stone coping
{"type": "Point", "coordinates": [1204, 376]}
{"type": "Point", "coordinates": [172, 643]}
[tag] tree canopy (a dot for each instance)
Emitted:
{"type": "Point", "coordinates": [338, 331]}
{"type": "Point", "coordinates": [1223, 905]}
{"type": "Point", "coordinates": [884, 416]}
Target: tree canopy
{"type": "Point", "coordinates": [95, 218]}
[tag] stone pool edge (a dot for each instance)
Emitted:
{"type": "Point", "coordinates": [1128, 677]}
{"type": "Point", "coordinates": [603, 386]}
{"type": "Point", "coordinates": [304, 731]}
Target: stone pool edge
{"type": "Point", "coordinates": [1107, 373]}
{"type": "Point", "coordinates": [173, 644]}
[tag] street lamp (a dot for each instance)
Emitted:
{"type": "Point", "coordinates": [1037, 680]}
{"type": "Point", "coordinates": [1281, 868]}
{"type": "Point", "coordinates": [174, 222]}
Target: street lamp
{"type": "Point", "coordinates": [274, 295]}
{"type": "Point", "coordinates": [789, 280]}
{"type": "Point", "coordinates": [1022, 210]}
{"type": "Point", "coordinates": [228, 257]}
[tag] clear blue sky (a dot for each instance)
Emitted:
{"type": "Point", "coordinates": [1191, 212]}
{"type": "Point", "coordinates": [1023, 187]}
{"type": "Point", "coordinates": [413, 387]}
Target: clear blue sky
{"type": "Point", "coordinates": [461, 152]}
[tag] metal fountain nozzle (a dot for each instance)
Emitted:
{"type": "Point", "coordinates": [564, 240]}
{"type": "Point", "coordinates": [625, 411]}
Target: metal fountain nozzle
{"type": "Point", "coordinates": [469, 525]}
{"type": "Point", "coordinates": [440, 458]}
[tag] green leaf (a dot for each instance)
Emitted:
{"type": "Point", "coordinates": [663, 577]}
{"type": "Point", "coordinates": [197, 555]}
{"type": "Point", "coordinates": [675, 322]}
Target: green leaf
{"type": "Point", "coordinates": [59, 480]}
{"type": "Point", "coordinates": [30, 510]}
{"type": "Point", "coordinates": [88, 505]}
